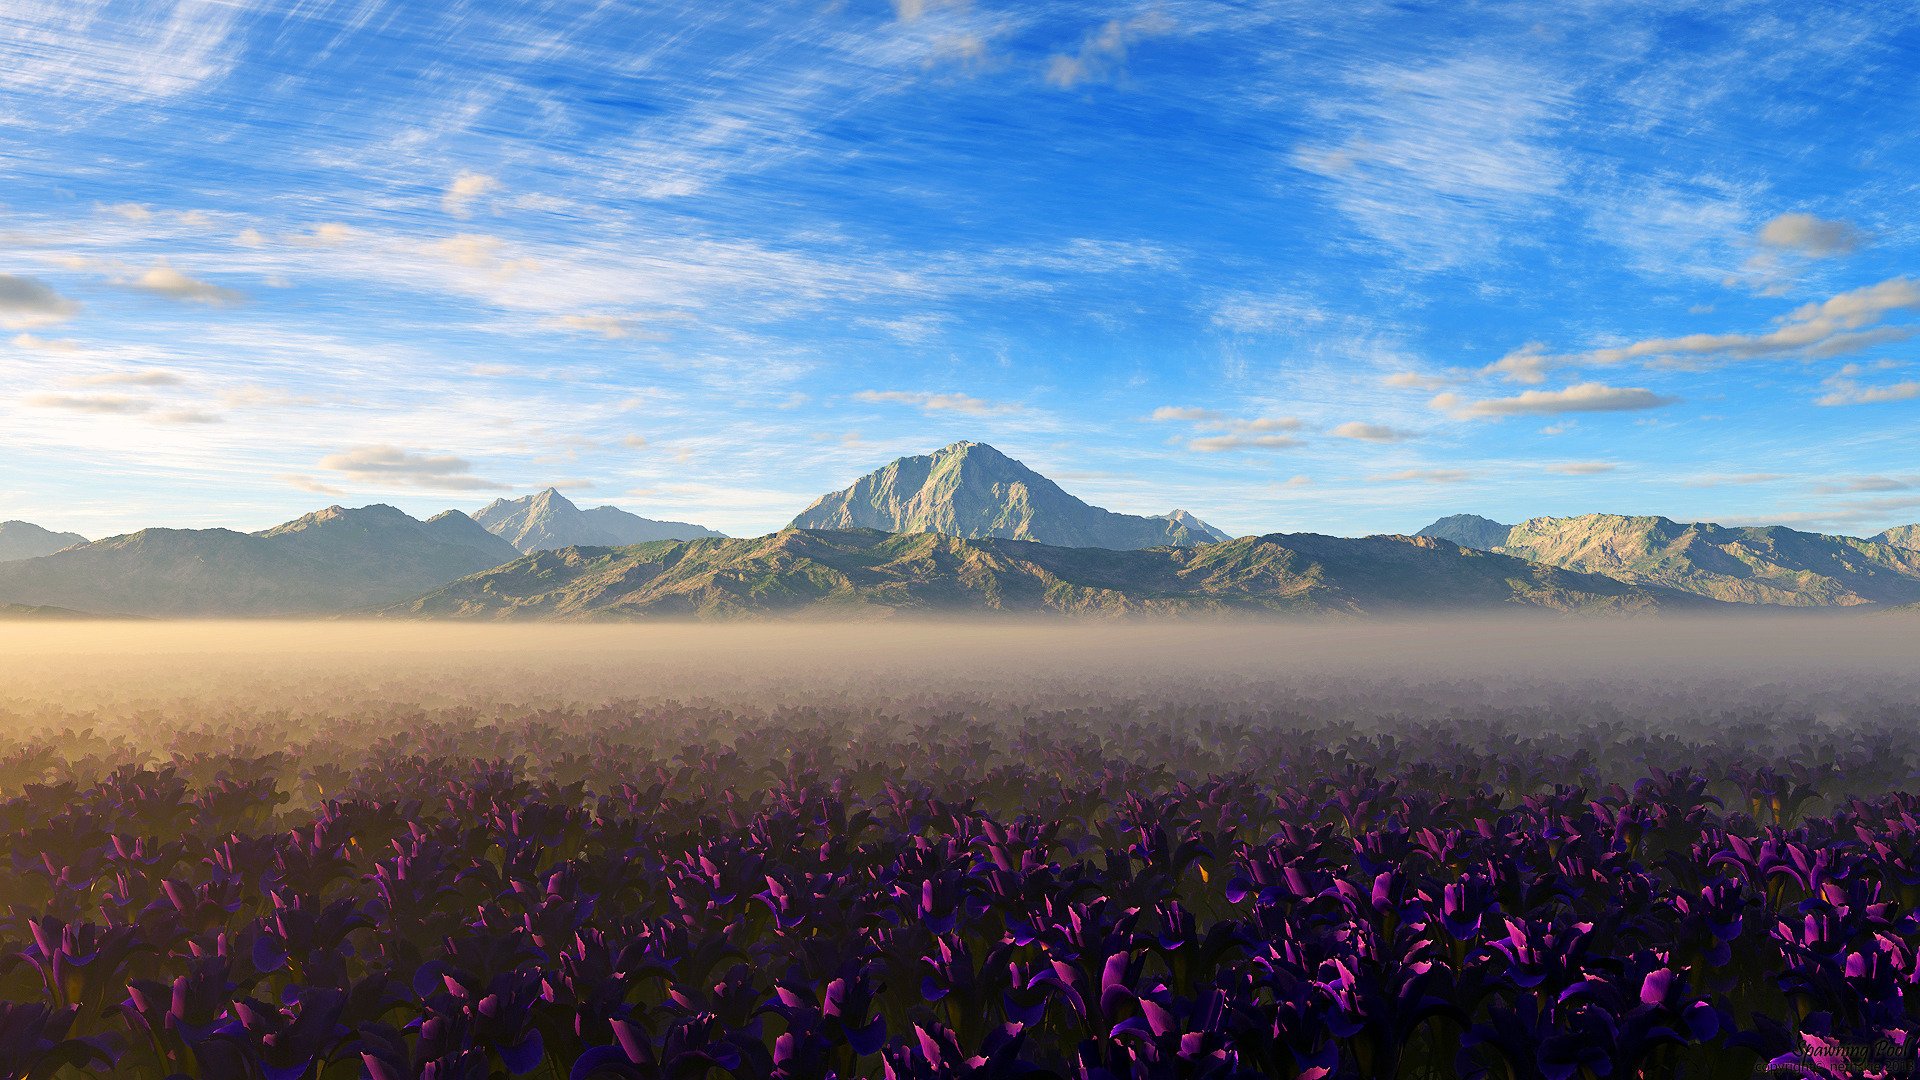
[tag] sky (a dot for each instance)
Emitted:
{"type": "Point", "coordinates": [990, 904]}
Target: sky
{"type": "Point", "coordinates": [1292, 266]}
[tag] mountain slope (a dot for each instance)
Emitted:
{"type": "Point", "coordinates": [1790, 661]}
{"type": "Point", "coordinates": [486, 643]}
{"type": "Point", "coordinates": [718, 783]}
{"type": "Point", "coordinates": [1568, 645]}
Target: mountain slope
{"type": "Point", "coordinates": [549, 520]}
{"type": "Point", "coordinates": [814, 572]}
{"type": "Point", "coordinates": [1770, 565]}
{"type": "Point", "coordinates": [1901, 536]}
{"type": "Point", "coordinates": [331, 561]}
{"type": "Point", "coordinates": [970, 490]}
{"type": "Point", "coordinates": [1469, 531]}
{"type": "Point", "coordinates": [25, 540]}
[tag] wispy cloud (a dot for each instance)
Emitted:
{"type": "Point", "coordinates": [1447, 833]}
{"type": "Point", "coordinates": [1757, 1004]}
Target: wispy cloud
{"type": "Point", "coordinates": [1713, 480]}
{"type": "Point", "coordinates": [465, 188]}
{"type": "Point", "coordinates": [1435, 159]}
{"type": "Point", "coordinates": [1185, 412]}
{"type": "Point", "coordinates": [1582, 468]}
{"type": "Point", "coordinates": [309, 484]}
{"type": "Point", "coordinates": [1422, 476]}
{"type": "Point", "coordinates": [1102, 56]}
{"type": "Point", "coordinates": [931, 402]}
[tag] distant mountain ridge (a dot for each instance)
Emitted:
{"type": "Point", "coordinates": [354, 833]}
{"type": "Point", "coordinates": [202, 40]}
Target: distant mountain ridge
{"type": "Point", "coordinates": [1756, 565]}
{"type": "Point", "coordinates": [25, 540]}
{"type": "Point", "coordinates": [800, 572]}
{"type": "Point", "coordinates": [972, 491]}
{"type": "Point", "coordinates": [1469, 531]}
{"type": "Point", "coordinates": [548, 520]}
{"type": "Point", "coordinates": [328, 562]}
{"type": "Point", "coordinates": [1901, 536]}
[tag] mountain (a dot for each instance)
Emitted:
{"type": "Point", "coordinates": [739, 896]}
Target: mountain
{"type": "Point", "coordinates": [801, 572]}
{"type": "Point", "coordinates": [25, 540]}
{"type": "Point", "coordinates": [1196, 527]}
{"type": "Point", "coordinates": [548, 520]}
{"type": "Point", "coordinates": [970, 490]}
{"type": "Point", "coordinates": [331, 561]}
{"type": "Point", "coordinates": [1469, 531]}
{"type": "Point", "coordinates": [1767, 565]}
{"type": "Point", "coordinates": [1901, 536]}
{"type": "Point", "coordinates": [21, 611]}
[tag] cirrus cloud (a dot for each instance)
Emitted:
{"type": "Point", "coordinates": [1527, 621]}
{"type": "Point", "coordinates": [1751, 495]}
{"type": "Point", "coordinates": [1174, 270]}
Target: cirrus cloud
{"type": "Point", "coordinates": [930, 402]}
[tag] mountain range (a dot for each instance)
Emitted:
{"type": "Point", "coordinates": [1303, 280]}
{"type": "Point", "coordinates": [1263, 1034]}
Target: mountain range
{"type": "Point", "coordinates": [972, 491]}
{"type": "Point", "coordinates": [549, 520]}
{"type": "Point", "coordinates": [25, 540]}
{"type": "Point", "coordinates": [1756, 565]}
{"type": "Point", "coordinates": [331, 561]}
{"type": "Point", "coordinates": [802, 572]}
{"type": "Point", "coordinates": [965, 528]}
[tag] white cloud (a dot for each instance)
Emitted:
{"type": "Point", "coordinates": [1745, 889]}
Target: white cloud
{"type": "Point", "coordinates": [611, 327]}
{"type": "Point", "coordinates": [308, 483]}
{"type": "Point", "coordinates": [1586, 397]}
{"type": "Point", "coordinates": [98, 403]}
{"type": "Point", "coordinates": [35, 343]}
{"type": "Point", "coordinates": [960, 403]}
{"type": "Point", "coordinates": [1815, 237]}
{"type": "Point", "coordinates": [1417, 380]}
{"type": "Point", "coordinates": [1213, 418]}
{"type": "Point", "coordinates": [1102, 56]}
{"type": "Point", "coordinates": [1846, 389]}
{"type": "Point", "coordinates": [1220, 444]}
{"type": "Point", "coordinates": [132, 378]}
{"type": "Point", "coordinates": [1848, 392]}
{"type": "Point", "coordinates": [189, 416]}
{"type": "Point", "coordinates": [479, 251]}
{"type": "Point", "coordinates": [1184, 412]}
{"type": "Point", "coordinates": [1582, 468]}
{"type": "Point", "coordinates": [27, 303]}
{"type": "Point", "coordinates": [392, 465]}
{"type": "Point", "coordinates": [164, 280]}
{"type": "Point", "coordinates": [1422, 476]}
{"type": "Point", "coordinates": [1712, 480]}
{"type": "Point", "coordinates": [465, 188]}
{"type": "Point", "coordinates": [1379, 433]}
{"type": "Point", "coordinates": [1845, 323]}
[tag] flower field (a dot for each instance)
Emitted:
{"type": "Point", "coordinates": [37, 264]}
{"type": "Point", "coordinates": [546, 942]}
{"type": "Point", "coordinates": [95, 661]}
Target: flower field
{"type": "Point", "coordinates": [1125, 889]}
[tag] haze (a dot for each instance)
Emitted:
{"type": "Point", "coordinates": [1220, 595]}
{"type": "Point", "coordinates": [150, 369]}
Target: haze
{"type": "Point", "coordinates": [253, 681]}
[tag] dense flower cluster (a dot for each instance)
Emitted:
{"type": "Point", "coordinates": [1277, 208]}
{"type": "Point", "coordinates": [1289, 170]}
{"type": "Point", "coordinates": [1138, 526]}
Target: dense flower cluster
{"type": "Point", "coordinates": [830, 897]}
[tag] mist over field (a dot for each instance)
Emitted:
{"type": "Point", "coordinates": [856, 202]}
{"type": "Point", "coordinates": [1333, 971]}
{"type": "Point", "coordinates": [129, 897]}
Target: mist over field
{"type": "Point", "coordinates": [143, 680]}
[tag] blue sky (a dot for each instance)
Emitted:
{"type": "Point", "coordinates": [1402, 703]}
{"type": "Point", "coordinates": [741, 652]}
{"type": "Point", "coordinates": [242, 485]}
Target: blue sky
{"type": "Point", "coordinates": [1292, 266]}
